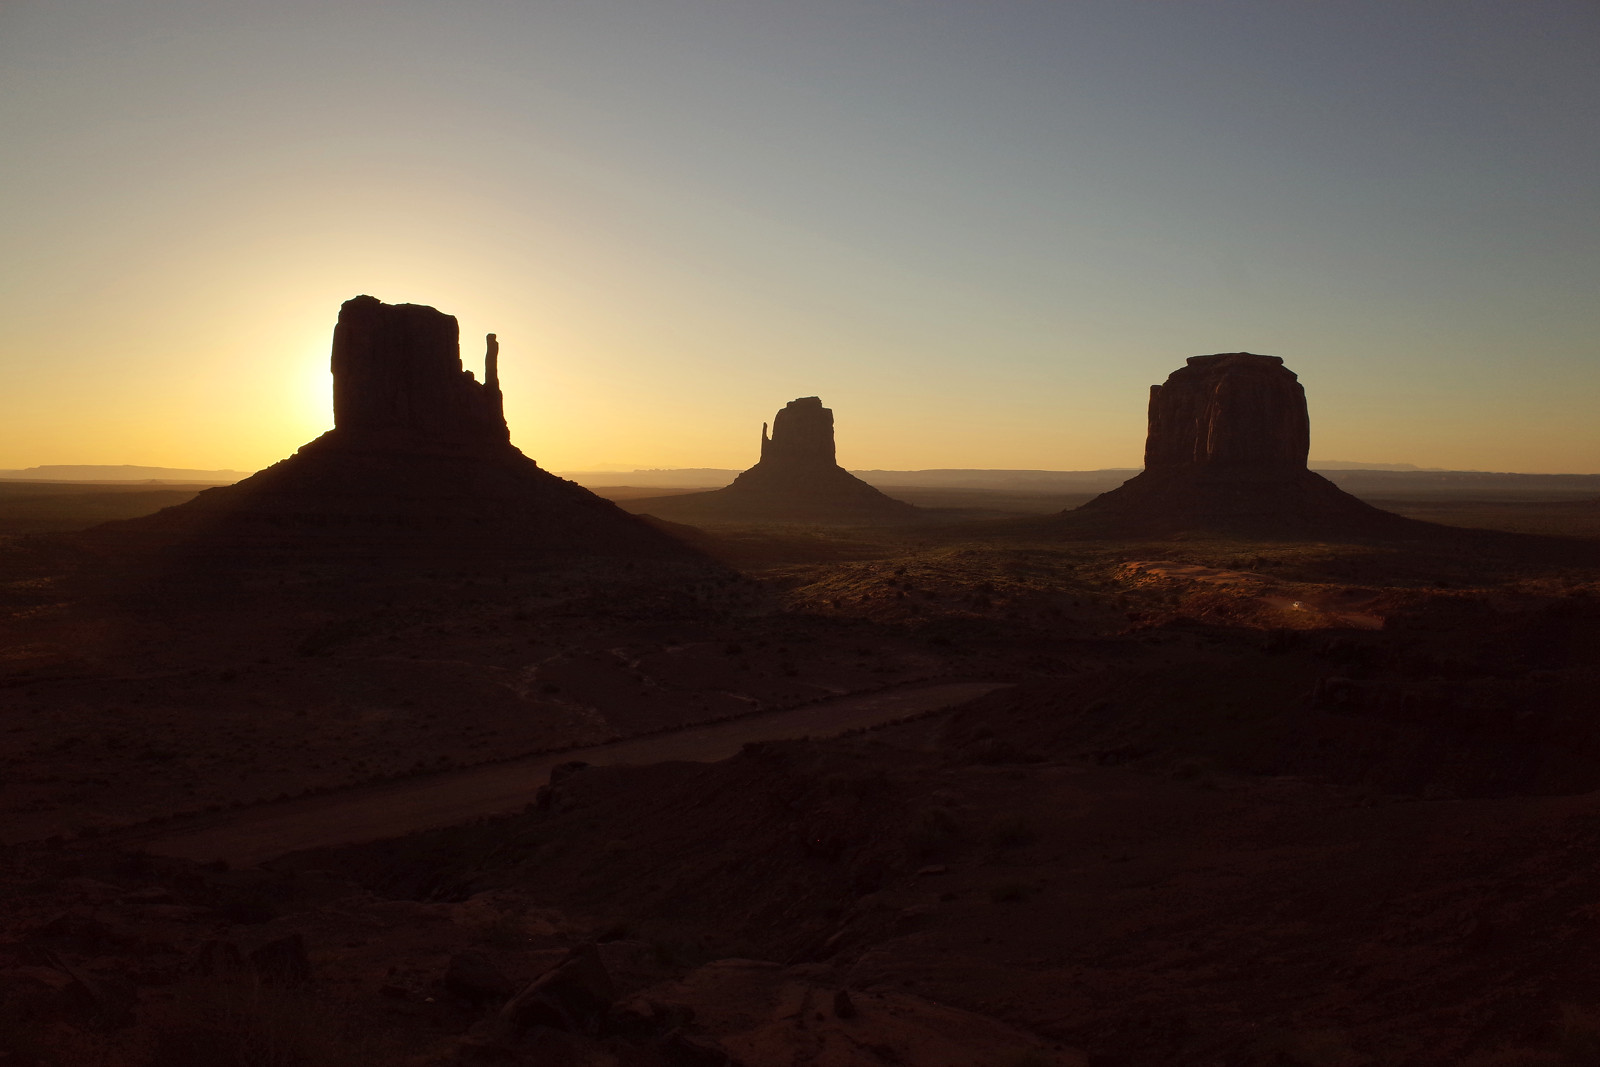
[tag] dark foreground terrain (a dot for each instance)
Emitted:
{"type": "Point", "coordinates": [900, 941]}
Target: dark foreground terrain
{"type": "Point", "coordinates": [1220, 803]}
{"type": "Point", "coordinates": [40, 507]}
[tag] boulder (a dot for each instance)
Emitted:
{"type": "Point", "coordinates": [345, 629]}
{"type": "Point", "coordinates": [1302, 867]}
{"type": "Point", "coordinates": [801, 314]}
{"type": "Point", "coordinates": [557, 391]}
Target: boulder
{"type": "Point", "coordinates": [473, 978]}
{"type": "Point", "coordinates": [574, 996]}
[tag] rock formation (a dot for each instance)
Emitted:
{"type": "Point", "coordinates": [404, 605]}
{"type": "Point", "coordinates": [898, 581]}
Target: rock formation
{"type": "Point", "coordinates": [1232, 409]}
{"type": "Point", "coordinates": [797, 479]}
{"type": "Point", "coordinates": [398, 381]}
{"type": "Point", "coordinates": [1226, 453]}
{"type": "Point", "coordinates": [802, 437]}
{"type": "Point", "coordinates": [419, 461]}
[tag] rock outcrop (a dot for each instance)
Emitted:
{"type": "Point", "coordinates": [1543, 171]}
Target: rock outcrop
{"type": "Point", "coordinates": [1226, 454]}
{"type": "Point", "coordinates": [797, 480]}
{"type": "Point", "coordinates": [419, 462]}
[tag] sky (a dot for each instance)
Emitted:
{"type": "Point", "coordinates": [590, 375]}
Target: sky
{"type": "Point", "coordinates": [978, 230]}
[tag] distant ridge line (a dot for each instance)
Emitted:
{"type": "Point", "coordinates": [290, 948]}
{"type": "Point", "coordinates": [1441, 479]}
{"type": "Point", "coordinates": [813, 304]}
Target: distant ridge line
{"type": "Point", "coordinates": [676, 476]}
{"type": "Point", "coordinates": [121, 472]}
{"type": "Point", "coordinates": [1389, 477]}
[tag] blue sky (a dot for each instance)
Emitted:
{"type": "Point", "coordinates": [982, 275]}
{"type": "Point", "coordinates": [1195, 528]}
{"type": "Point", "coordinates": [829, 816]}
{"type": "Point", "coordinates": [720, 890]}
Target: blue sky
{"type": "Point", "coordinates": [979, 231]}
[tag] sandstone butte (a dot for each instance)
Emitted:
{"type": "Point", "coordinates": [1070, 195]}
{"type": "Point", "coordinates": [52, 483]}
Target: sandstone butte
{"type": "Point", "coordinates": [419, 460]}
{"type": "Point", "coordinates": [1226, 454]}
{"type": "Point", "coordinates": [797, 480]}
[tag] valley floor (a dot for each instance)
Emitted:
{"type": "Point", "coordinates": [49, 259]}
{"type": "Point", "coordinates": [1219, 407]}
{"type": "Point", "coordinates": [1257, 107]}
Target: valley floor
{"type": "Point", "coordinates": [1191, 801]}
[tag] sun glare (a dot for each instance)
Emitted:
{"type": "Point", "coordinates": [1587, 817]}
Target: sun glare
{"type": "Point", "coordinates": [316, 386]}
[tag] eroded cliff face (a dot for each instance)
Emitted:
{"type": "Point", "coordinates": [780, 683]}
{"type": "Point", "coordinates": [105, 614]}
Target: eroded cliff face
{"type": "Point", "coordinates": [398, 382]}
{"type": "Point", "coordinates": [1229, 409]}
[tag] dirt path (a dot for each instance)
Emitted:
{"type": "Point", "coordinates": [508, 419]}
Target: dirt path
{"type": "Point", "coordinates": [372, 812]}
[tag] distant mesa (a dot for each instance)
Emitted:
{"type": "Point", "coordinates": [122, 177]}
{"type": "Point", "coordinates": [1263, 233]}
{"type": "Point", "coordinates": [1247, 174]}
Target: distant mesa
{"type": "Point", "coordinates": [1226, 453]}
{"type": "Point", "coordinates": [797, 480]}
{"type": "Point", "coordinates": [419, 459]}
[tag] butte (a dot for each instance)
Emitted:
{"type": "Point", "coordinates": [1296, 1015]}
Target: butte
{"type": "Point", "coordinates": [419, 463]}
{"type": "Point", "coordinates": [1226, 454]}
{"type": "Point", "coordinates": [796, 480]}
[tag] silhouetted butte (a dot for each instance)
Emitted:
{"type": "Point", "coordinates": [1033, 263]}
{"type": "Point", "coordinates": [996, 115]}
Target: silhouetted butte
{"type": "Point", "coordinates": [797, 479]}
{"type": "Point", "coordinates": [1226, 453]}
{"type": "Point", "coordinates": [419, 459]}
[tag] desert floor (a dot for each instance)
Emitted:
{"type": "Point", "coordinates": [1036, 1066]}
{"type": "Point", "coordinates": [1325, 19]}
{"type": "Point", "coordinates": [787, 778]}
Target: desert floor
{"type": "Point", "coordinates": [1192, 801]}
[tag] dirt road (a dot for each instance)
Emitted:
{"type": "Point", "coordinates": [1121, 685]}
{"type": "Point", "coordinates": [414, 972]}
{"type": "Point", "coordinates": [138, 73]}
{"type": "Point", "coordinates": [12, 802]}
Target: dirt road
{"type": "Point", "coordinates": [372, 812]}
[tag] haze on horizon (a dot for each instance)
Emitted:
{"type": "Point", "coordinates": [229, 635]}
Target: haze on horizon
{"type": "Point", "coordinates": [979, 232]}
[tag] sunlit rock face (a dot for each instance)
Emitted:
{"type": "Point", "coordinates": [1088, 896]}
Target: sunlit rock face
{"type": "Point", "coordinates": [419, 463]}
{"type": "Point", "coordinates": [1226, 454]}
{"type": "Point", "coordinates": [1233, 409]}
{"type": "Point", "coordinates": [797, 480]}
{"type": "Point", "coordinates": [398, 381]}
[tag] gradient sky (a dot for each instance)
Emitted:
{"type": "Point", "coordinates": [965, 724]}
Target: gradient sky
{"type": "Point", "coordinates": [979, 231]}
